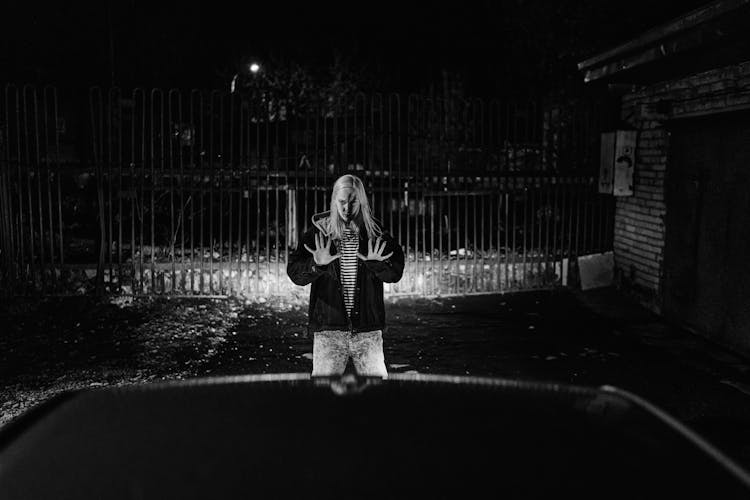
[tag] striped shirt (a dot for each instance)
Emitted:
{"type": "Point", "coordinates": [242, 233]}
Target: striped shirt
{"type": "Point", "coordinates": [349, 249]}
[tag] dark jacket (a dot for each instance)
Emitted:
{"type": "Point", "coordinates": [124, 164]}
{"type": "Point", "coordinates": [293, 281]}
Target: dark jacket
{"type": "Point", "coordinates": [327, 310]}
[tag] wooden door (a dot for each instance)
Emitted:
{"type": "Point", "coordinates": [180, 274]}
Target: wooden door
{"type": "Point", "coordinates": [707, 248]}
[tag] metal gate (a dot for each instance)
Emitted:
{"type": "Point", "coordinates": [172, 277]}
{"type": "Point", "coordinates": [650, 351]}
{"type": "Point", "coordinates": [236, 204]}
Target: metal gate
{"type": "Point", "coordinates": [205, 193]}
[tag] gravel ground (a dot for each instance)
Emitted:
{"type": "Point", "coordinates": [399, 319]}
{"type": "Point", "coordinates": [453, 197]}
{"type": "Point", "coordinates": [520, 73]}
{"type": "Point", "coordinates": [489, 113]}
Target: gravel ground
{"type": "Point", "coordinates": [58, 344]}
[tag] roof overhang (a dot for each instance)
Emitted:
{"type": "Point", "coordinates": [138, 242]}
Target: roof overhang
{"type": "Point", "coordinates": [718, 24]}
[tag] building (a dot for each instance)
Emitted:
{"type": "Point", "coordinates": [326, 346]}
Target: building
{"type": "Point", "coordinates": [681, 242]}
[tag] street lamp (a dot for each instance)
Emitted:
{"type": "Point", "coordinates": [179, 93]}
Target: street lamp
{"type": "Point", "coordinates": [253, 68]}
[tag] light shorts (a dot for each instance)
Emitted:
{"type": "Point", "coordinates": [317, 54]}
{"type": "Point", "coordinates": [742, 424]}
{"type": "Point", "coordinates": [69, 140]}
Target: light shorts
{"type": "Point", "coordinates": [332, 350]}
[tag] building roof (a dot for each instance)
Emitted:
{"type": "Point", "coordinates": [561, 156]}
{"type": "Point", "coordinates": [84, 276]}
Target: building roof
{"type": "Point", "coordinates": [712, 35]}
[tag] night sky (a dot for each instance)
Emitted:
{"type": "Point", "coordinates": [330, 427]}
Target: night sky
{"type": "Point", "coordinates": [496, 47]}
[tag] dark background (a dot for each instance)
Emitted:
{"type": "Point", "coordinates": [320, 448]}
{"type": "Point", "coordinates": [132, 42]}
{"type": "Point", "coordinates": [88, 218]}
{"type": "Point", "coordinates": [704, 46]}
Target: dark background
{"type": "Point", "coordinates": [494, 47]}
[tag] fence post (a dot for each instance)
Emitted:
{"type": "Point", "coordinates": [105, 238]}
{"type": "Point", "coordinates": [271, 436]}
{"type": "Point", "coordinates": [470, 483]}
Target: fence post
{"type": "Point", "coordinates": [96, 145]}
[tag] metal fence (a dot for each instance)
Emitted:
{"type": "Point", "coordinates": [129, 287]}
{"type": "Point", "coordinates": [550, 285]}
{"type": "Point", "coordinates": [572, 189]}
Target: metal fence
{"type": "Point", "coordinates": [170, 192]}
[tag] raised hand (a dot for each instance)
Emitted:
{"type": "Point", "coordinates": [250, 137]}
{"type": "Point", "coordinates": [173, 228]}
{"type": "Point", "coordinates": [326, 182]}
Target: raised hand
{"type": "Point", "coordinates": [375, 251]}
{"type": "Point", "coordinates": [322, 252]}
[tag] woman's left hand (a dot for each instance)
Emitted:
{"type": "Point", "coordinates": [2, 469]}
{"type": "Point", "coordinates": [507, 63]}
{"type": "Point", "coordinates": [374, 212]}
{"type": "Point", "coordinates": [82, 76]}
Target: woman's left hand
{"type": "Point", "coordinates": [375, 251]}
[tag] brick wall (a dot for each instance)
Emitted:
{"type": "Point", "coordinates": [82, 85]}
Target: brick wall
{"type": "Point", "coordinates": [639, 219]}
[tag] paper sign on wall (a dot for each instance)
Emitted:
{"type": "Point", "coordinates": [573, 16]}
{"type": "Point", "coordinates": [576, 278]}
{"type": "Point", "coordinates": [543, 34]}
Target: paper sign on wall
{"type": "Point", "coordinates": [624, 162]}
{"type": "Point", "coordinates": [617, 162]}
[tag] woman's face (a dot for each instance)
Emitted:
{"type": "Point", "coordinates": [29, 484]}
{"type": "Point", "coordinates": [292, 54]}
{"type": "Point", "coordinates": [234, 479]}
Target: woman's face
{"type": "Point", "coordinates": [347, 203]}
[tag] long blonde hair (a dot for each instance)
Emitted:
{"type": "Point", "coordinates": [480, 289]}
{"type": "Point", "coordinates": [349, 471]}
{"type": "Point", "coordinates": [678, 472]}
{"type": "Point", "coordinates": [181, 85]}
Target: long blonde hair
{"type": "Point", "coordinates": [335, 225]}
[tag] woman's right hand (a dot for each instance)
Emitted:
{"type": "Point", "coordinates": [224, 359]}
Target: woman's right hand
{"type": "Point", "coordinates": [322, 252]}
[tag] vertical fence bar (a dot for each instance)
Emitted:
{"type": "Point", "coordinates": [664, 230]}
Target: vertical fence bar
{"type": "Point", "coordinates": [571, 209]}
{"type": "Point", "coordinates": [219, 159]}
{"type": "Point", "coordinates": [48, 158]}
{"type": "Point", "coordinates": [539, 215]}
{"type": "Point", "coordinates": [482, 144]}
{"type": "Point", "coordinates": [154, 111]}
{"type": "Point", "coordinates": [6, 204]}
{"type": "Point", "coordinates": [514, 217]}
{"type": "Point", "coordinates": [502, 172]}
{"type": "Point", "coordinates": [472, 250]}
{"type": "Point", "coordinates": [578, 196]}
{"type": "Point", "coordinates": [142, 162]}
{"type": "Point", "coordinates": [19, 237]}
{"type": "Point", "coordinates": [600, 219]}
{"type": "Point", "coordinates": [526, 246]}
{"type": "Point", "coordinates": [418, 188]}
{"type": "Point", "coordinates": [468, 281]}
{"type": "Point", "coordinates": [326, 153]}
{"type": "Point", "coordinates": [432, 189]}
{"type": "Point", "coordinates": [312, 161]}
{"type": "Point", "coordinates": [290, 207]}
{"type": "Point", "coordinates": [378, 153]}
{"type": "Point", "coordinates": [267, 192]}
{"type": "Point", "coordinates": [407, 188]}
{"type": "Point", "coordinates": [247, 193]}
{"type": "Point", "coordinates": [394, 108]}
{"type": "Point", "coordinates": [495, 192]}
{"type": "Point", "coordinates": [212, 173]}
{"type": "Point", "coordinates": [389, 120]}
{"type": "Point", "coordinates": [439, 121]}
{"type": "Point", "coordinates": [174, 133]}
{"type": "Point", "coordinates": [118, 158]}
{"type": "Point", "coordinates": [5, 250]}
{"type": "Point", "coordinates": [31, 275]}
{"type": "Point", "coordinates": [477, 270]}
{"type": "Point", "coordinates": [462, 277]}
{"type": "Point", "coordinates": [186, 135]}
{"type": "Point", "coordinates": [585, 225]}
{"type": "Point", "coordinates": [279, 166]}
{"type": "Point", "coordinates": [164, 190]}
{"type": "Point", "coordinates": [559, 222]}
{"type": "Point", "coordinates": [114, 149]}
{"type": "Point", "coordinates": [194, 169]}
{"type": "Point", "coordinates": [551, 212]}
{"type": "Point", "coordinates": [593, 205]}
{"type": "Point", "coordinates": [454, 223]}
{"type": "Point", "coordinates": [97, 128]}
{"type": "Point", "coordinates": [246, 117]}
{"type": "Point", "coordinates": [132, 189]}
{"type": "Point", "coordinates": [202, 182]}
{"type": "Point", "coordinates": [234, 167]}
{"type": "Point", "coordinates": [564, 217]}
{"type": "Point", "coordinates": [37, 161]}
{"type": "Point", "coordinates": [245, 196]}
{"type": "Point", "coordinates": [16, 233]}
{"type": "Point", "coordinates": [609, 222]}
{"type": "Point", "coordinates": [108, 140]}
{"type": "Point", "coordinates": [419, 185]}
{"type": "Point", "coordinates": [259, 121]}
{"type": "Point", "coordinates": [6, 243]}
{"type": "Point", "coordinates": [539, 220]}
{"type": "Point", "coordinates": [426, 189]}
{"type": "Point", "coordinates": [510, 157]}
{"type": "Point", "coordinates": [460, 196]}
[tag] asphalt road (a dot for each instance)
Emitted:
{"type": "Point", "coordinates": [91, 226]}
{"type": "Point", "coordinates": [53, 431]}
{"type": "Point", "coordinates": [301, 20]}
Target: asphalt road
{"type": "Point", "coordinates": [592, 338]}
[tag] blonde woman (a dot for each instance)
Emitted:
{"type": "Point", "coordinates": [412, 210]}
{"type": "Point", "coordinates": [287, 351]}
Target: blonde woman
{"type": "Point", "coordinates": [346, 257]}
